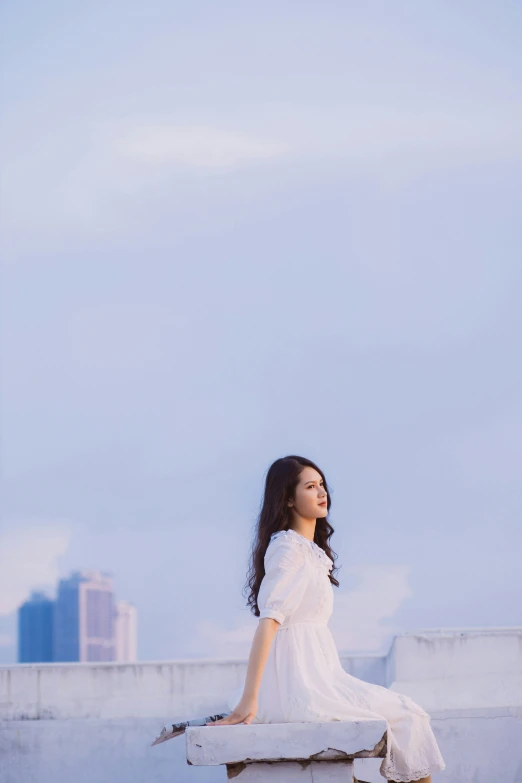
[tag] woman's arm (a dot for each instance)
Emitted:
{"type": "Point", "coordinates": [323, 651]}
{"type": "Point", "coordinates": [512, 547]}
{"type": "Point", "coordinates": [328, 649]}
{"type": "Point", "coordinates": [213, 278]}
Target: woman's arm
{"type": "Point", "coordinates": [261, 643]}
{"type": "Point", "coordinates": [280, 594]}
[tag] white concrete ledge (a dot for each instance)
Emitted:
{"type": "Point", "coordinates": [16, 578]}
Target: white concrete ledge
{"type": "Point", "coordinates": [439, 669]}
{"type": "Point", "coordinates": [285, 742]}
{"type": "Point", "coordinates": [458, 668]}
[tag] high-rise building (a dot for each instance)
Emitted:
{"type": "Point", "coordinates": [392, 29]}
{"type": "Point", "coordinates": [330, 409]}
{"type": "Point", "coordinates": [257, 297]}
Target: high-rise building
{"type": "Point", "coordinates": [35, 630]}
{"type": "Point", "coordinates": [125, 636]}
{"type": "Point", "coordinates": [66, 638]}
{"type": "Point", "coordinates": [83, 619]}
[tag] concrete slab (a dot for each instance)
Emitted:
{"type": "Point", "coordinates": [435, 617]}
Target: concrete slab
{"type": "Point", "coordinates": [272, 742]}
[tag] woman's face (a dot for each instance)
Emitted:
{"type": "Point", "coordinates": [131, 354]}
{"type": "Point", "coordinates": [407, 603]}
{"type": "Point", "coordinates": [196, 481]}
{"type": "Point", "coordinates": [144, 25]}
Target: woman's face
{"type": "Point", "coordinates": [310, 500]}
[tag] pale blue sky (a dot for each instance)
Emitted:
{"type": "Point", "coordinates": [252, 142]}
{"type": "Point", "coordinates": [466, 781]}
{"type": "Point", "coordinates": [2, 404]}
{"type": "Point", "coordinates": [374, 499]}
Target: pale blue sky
{"type": "Point", "coordinates": [232, 232]}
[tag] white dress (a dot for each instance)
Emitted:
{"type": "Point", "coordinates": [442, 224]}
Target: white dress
{"type": "Point", "coordinates": [303, 680]}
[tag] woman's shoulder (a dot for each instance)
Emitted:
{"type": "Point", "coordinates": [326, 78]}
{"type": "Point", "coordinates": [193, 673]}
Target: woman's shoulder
{"type": "Point", "coordinates": [289, 538]}
{"type": "Point", "coordinates": [298, 547]}
{"type": "Point", "coordinates": [286, 545]}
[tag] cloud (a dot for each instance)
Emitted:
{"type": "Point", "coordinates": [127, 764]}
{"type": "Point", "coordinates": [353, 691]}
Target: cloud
{"type": "Point", "coordinates": [100, 173]}
{"type": "Point", "coordinates": [94, 176]}
{"type": "Point", "coordinates": [359, 134]}
{"type": "Point", "coordinates": [198, 146]}
{"type": "Point", "coordinates": [371, 135]}
{"type": "Point", "coordinates": [28, 560]}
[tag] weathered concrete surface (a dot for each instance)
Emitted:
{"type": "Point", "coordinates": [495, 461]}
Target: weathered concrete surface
{"type": "Point", "coordinates": [94, 751]}
{"type": "Point", "coordinates": [479, 746]}
{"type": "Point", "coordinates": [448, 669]}
{"type": "Point", "coordinates": [338, 740]}
{"type": "Point", "coordinates": [174, 689]}
{"type": "Point", "coordinates": [452, 669]}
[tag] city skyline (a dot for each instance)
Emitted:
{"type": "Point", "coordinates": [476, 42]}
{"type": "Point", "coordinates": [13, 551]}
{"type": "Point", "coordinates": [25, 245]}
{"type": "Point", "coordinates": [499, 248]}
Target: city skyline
{"type": "Point", "coordinates": [83, 623]}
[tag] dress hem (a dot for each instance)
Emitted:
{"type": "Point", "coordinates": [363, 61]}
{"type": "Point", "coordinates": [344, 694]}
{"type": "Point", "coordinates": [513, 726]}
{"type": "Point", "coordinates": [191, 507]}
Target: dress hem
{"type": "Point", "coordinates": [407, 778]}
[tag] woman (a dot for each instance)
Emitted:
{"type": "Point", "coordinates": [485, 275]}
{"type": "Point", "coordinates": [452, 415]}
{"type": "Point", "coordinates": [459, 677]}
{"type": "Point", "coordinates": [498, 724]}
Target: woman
{"type": "Point", "coordinates": [294, 673]}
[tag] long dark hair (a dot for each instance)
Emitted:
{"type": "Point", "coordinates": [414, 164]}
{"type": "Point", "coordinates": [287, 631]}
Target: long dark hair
{"type": "Point", "coordinates": [281, 481]}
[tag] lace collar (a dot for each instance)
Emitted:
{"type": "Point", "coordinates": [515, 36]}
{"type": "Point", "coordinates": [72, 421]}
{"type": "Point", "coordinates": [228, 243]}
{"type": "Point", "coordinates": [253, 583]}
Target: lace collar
{"type": "Point", "coordinates": [316, 550]}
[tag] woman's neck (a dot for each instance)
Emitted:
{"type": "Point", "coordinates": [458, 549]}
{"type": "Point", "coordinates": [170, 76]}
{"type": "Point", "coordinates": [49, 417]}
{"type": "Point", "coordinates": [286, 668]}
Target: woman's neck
{"type": "Point", "coordinates": [305, 528]}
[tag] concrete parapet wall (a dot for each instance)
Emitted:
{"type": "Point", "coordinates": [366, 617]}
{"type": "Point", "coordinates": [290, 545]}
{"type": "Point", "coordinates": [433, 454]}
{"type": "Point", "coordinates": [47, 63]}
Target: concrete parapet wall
{"type": "Point", "coordinates": [60, 691]}
{"type": "Point", "coordinates": [174, 689]}
{"type": "Point", "coordinates": [452, 669]}
{"type": "Point", "coordinates": [93, 723]}
{"type": "Point", "coordinates": [477, 745]}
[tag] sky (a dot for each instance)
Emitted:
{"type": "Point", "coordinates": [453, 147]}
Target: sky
{"type": "Point", "coordinates": [231, 232]}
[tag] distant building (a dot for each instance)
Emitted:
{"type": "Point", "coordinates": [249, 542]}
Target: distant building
{"type": "Point", "coordinates": [66, 640]}
{"type": "Point", "coordinates": [125, 636]}
{"type": "Point", "coordinates": [35, 630]}
{"type": "Point", "coordinates": [83, 618]}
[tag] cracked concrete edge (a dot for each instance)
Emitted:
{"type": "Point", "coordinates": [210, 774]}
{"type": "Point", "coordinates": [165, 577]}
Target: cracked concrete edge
{"type": "Point", "coordinates": [379, 751]}
{"type": "Point", "coordinates": [233, 770]}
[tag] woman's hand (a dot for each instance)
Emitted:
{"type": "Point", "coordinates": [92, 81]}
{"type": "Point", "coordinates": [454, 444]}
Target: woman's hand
{"type": "Point", "coordinates": [245, 712]}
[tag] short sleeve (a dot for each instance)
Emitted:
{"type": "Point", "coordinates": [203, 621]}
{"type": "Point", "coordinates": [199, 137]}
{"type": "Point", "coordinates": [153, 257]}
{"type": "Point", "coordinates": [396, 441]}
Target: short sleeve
{"type": "Point", "coordinates": [285, 579]}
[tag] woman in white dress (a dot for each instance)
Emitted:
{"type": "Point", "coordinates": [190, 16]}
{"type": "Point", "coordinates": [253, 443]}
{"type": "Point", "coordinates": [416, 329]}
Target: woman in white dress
{"type": "Point", "coordinates": [294, 673]}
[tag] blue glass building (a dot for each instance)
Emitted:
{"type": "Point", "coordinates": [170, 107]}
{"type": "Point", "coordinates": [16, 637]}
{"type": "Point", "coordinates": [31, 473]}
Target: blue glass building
{"type": "Point", "coordinates": [66, 644]}
{"type": "Point", "coordinates": [35, 630]}
{"type": "Point", "coordinates": [84, 618]}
